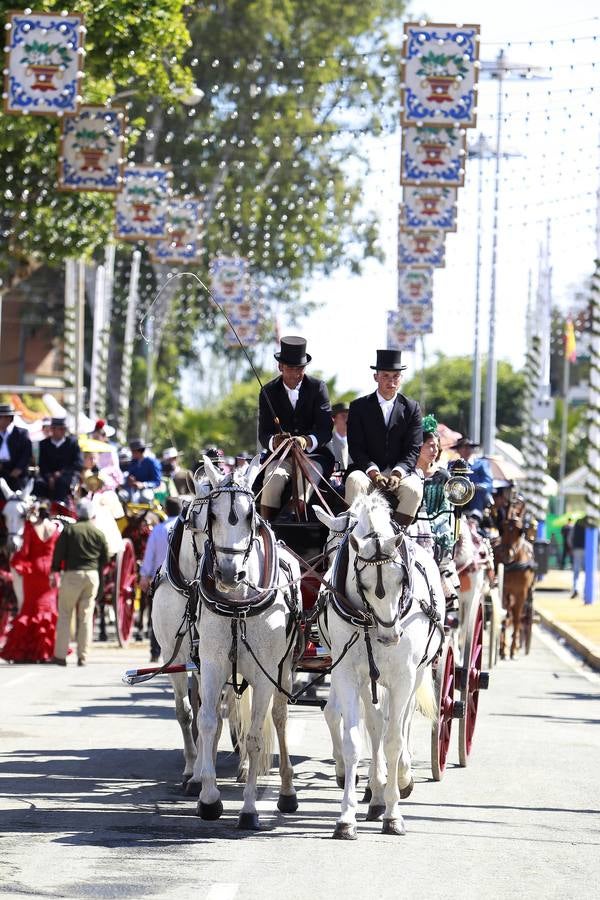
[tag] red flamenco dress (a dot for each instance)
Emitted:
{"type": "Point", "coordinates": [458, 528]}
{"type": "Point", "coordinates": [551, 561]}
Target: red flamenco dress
{"type": "Point", "coordinates": [31, 638]}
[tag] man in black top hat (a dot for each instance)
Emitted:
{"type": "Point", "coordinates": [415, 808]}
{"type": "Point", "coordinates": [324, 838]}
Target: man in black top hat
{"type": "Point", "coordinates": [301, 405]}
{"type": "Point", "coordinates": [480, 474]}
{"type": "Point", "coordinates": [385, 434]}
{"type": "Point", "coordinates": [15, 449]}
{"type": "Point", "coordinates": [60, 463]}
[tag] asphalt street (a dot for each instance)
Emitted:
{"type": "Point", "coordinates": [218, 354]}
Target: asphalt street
{"type": "Point", "coordinates": [91, 806]}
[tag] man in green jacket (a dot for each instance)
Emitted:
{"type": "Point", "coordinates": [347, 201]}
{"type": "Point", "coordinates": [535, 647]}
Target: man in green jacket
{"type": "Point", "coordinates": [83, 550]}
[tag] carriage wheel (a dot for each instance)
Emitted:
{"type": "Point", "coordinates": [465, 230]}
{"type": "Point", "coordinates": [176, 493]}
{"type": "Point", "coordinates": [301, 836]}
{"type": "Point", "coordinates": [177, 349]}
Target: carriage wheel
{"type": "Point", "coordinates": [442, 727]}
{"type": "Point", "coordinates": [527, 623]}
{"type": "Point", "coordinates": [124, 591]}
{"type": "Point", "coordinates": [472, 679]}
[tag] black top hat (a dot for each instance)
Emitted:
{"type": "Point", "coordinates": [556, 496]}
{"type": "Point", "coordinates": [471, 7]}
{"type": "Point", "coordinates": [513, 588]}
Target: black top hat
{"type": "Point", "coordinates": [342, 406]}
{"type": "Point", "coordinates": [389, 361]}
{"type": "Point", "coordinates": [464, 442]}
{"type": "Point", "coordinates": [293, 352]}
{"type": "Point", "coordinates": [137, 444]}
{"type": "Point", "coordinates": [58, 421]}
{"type": "Point", "coordinates": [7, 409]}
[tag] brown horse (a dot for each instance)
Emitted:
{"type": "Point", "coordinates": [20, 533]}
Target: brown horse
{"type": "Point", "coordinates": [516, 553]}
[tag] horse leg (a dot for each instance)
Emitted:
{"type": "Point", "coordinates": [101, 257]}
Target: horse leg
{"type": "Point", "coordinates": [345, 828]}
{"type": "Point", "coordinates": [213, 674]}
{"type": "Point", "coordinates": [393, 822]}
{"type": "Point", "coordinates": [287, 801]}
{"type": "Point", "coordinates": [374, 725]}
{"type": "Point", "coordinates": [262, 693]}
{"type": "Point", "coordinates": [405, 777]}
{"type": "Point", "coordinates": [519, 603]}
{"type": "Point", "coordinates": [333, 717]}
{"type": "Point", "coordinates": [184, 715]}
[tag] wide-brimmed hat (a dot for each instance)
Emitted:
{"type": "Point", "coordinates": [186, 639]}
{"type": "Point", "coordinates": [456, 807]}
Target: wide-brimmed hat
{"type": "Point", "coordinates": [137, 444]}
{"type": "Point", "coordinates": [464, 442]}
{"type": "Point", "coordinates": [293, 351]}
{"type": "Point", "coordinates": [170, 453]}
{"type": "Point", "coordinates": [58, 421]}
{"type": "Point", "coordinates": [389, 361]}
{"type": "Point", "coordinates": [342, 406]}
{"type": "Point", "coordinates": [102, 426]}
{"type": "Point", "coordinates": [7, 409]}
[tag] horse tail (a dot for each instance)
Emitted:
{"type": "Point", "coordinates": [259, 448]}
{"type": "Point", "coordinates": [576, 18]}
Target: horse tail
{"type": "Point", "coordinates": [240, 717]}
{"type": "Point", "coordinates": [426, 700]}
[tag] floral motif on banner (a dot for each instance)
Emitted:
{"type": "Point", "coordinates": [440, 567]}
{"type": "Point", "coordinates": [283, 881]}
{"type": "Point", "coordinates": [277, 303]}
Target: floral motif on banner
{"type": "Point", "coordinates": [439, 74]}
{"type": "Point", "coordinates": [398, 338]}
{"type": "Point", "coordinates": [43, 63]}
{"type": "Point", "coordinates": [91, 156]}
{"type": "Point", "coordinates": [229, 278]}
{"type": "Point", "coordinates": [417, 317]}
{"type": "Point", "coordinates": [415, 284]}
{"type": "Point", "coordinates": [433, 156]}
{"type": "Point", "coordinates": [246, 317]}
{"type": "Point", "coordinates": [425, 246]}
{"type": "Point", "coordinates": [143, 204]}
{"type": "Point", "coordinates": [184, 233]}
{"type": "Point", "coordinates": [429, 206]}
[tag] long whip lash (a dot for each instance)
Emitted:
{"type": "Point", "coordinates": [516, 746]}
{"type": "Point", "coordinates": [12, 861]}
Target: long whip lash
{"type": "Point", "coordinates": [227, 319]}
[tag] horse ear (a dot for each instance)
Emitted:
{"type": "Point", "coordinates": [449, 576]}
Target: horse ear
{"type": "Point", "coordinates": [28, 489]}
{"type": "Point", "coordinates": [252, 470]}
{"type": "Point", "coordinates": [5, 489]}
{"type": "Point", "coordinates": [214, 476]}
{"type": "Point", "coordinates": [334, 523]}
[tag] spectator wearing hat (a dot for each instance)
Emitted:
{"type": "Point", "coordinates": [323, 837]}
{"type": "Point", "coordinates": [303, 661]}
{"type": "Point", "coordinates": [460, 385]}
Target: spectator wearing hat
{"type": "Point", "coordinates": [60, 462]}
{"type": "Point", "coordinates": [15, 449]}
{"type": "Point", "coordinates": [384, 439]}
{"type": "Point", "coordinates": [143, 473]}
{"type": "Point", "coordinates": [181, 478]}
{"type": "Point", "coordinates": [301, 405]}
{"type": "Point", "coordinates": [339, 439]}
{"type": "Point", "coordinates": [82, 551]}
{"type": "Point", "coordinates": [102, 431]}
{"type": "Point", "coordinates": [480, 474]}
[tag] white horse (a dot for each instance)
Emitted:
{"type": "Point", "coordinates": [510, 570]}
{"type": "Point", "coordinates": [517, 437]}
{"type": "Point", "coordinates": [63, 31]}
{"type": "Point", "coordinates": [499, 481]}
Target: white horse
{"type": "Point", "coordinates": [18, 504]}
{"type": "Point", "coordinates": [248, 603]}
{"type": "Point", "coordinates": [385, 624]}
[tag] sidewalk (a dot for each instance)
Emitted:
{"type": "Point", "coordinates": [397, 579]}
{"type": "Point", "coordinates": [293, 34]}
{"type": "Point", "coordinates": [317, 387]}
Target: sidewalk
{"type": "Point", "coordinates": [571, 619]}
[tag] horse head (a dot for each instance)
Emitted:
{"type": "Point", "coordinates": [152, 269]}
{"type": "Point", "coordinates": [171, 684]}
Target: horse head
{"type": "Point", "coordinates": [377, 571]}
{"type": "Point", "coordinates": [231, 523]}
{"type": "Point", "coordinates": [15, 512]}
{"type": "Point", "coordinates": [339, 526]}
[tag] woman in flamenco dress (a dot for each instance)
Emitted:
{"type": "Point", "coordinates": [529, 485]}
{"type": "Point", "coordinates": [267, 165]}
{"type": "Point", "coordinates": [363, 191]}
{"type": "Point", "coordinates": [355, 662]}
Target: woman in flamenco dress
{"type": "Point", "coordinates": [31, 637]}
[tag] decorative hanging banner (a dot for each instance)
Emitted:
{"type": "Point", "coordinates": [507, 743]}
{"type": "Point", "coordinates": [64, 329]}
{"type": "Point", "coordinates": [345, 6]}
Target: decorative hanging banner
{"type": "Point", "coordinates": [142, 205]}
{"type": "Point", "coordinates": [416, 317]}
{"type": "Point", "coordinates": [433, 156]}
{"type": "Point", "coordinates": [415, 284]}
{"type": "Point", "coordinates": [429, 207]}
{"type": "Point", "coordinates": [398, 338]}
{"type": "Point", "coordinates": [229, 279]}
{"type": "Point", "coordinates": [439, 74]}
{"type": "Point", "coordinates": [91, 150]}
{"type": "Point", "coordinates": [43, 63]}
{"type": "Point", "coordinates": [246, 316]}
{"type": "Point", "coordinates": [184, 233]}
{"type": "Point", "coordinates": [425, 246]}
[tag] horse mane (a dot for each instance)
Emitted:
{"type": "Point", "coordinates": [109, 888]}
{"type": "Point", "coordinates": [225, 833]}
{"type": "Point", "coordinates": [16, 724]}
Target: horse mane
{"type": "Point", "coordinates": [370, 507]}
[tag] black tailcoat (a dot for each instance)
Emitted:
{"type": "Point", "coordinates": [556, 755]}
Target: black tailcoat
{"type": "Point", "coordinates": [67, 458]}
{"type": "Point", "coordinates": [19, 448]}
{"type": "Point", "coordinates": [312, 415]}
{"type": "Point", "coordinates": [371, 443]}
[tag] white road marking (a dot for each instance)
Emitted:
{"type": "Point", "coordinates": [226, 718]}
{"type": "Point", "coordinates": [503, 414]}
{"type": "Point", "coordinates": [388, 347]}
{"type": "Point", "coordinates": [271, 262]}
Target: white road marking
{"type": "Point", "coordinates": [222, 891]}
{"type": "Point", "coordinates": [566, 656]}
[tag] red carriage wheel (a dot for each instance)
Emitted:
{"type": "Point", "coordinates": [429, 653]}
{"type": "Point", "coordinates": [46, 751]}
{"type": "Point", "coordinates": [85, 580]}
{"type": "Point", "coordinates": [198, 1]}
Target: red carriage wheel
{"type": "Point", "coordinates": [442, 727]}
{"type": "Point", "coordinates": [124, 591]}
{"type": "Point", "coordinates": [472, 680]}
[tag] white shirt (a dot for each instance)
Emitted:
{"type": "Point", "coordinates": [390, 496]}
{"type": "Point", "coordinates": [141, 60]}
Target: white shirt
{"type": "Point", "coordinates": [58, 443]}
{"type": "Point", "coordinates": [4, 452]}
{"type": "Point", "coordinates": [293, 394]}
{"type": "Point", "coordinates": [386, 407]}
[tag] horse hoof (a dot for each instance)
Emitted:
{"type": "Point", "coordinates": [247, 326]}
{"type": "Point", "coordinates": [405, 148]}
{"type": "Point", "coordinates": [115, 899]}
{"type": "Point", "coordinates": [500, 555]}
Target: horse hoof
{"type": "Point", "coordinates": [209, 811]}
{"type": "Point", "coordinates": [375, 812]}
{"type": "Point", "coordinates": [367, 796]}
{"type": "Point", "coordinates": [287, 803]}
{"type": "Point", "coordinates": [248, 822]}
{"type": "Point", "coordinates": [192, 788]}
{"type": "Point", "coordinates": [344, 831]}
{"type": "Point", "coordinates": [242, 776]}
{"type": "Point", "coordinates": [393, 826]}
{"type": "Point", "coordinates": [340, 781]}
{"type": "Point", "coordinates": [406, 791]}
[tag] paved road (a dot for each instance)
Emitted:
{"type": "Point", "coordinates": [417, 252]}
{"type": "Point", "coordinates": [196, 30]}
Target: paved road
{"type": "Point", "coordinates": [90, 804]}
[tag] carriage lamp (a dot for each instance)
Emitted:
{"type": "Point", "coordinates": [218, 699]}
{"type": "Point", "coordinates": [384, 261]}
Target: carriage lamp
{"type": "Point", "coordinates": [459, 490]}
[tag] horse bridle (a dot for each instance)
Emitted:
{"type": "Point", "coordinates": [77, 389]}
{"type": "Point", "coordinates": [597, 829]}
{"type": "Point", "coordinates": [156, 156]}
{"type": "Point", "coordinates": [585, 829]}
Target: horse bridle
{"type": "Point", "coordinates": [233, 519]}
{"type": "Point", "coordinates": [379, 559]}
{"type": "Point", "coordinates": [14, 498]}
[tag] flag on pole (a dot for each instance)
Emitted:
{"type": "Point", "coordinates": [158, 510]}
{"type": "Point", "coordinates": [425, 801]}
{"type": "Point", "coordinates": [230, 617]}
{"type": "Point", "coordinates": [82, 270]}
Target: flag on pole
{"type": "Point", "coordinates": [570, 344]}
